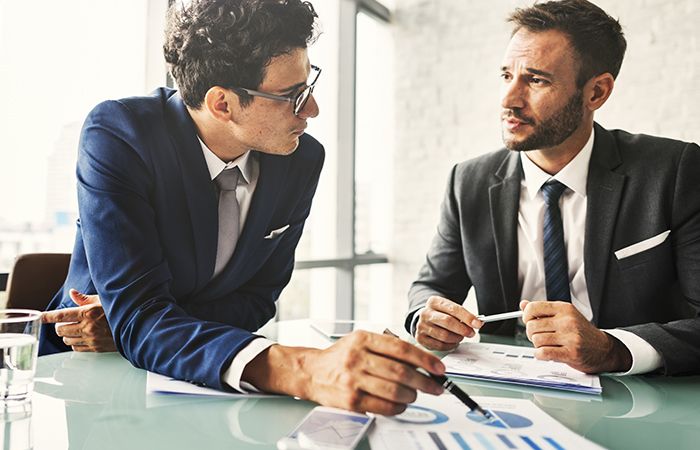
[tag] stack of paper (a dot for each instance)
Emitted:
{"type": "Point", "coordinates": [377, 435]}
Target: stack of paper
{"type": "Point", "coordinates": [511, 364]}
{"type": "Point", "coordinates": [444, 423]}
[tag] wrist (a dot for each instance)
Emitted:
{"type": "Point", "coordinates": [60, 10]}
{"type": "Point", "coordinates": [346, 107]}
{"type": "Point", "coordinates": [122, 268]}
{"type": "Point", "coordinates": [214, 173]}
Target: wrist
{"type": "Point", "coordinates": [619, 355]}
{"type": "Point", "coordinates": [280, 370]}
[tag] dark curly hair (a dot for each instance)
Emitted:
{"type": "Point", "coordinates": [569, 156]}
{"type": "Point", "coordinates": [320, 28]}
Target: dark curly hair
{"type": "Point", "coordinates": [229, 43]}
{"type": "Point", "coordinates": [596, 37]}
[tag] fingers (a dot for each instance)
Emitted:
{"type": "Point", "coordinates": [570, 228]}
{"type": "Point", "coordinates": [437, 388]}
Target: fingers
{"type": "Point", "coordinates": [397, 349]}
{"type": "Point", "coordinates": [426, 333]}
{"type": "Point", "coordinates": [453, 309]}
{"type": "Point", "coordinates": [443, 324]}
{"type": "Point", "coordinates": [543, 325]}
{"type": "Point", "coordinates": [539, 309]}
{"type": "Point", "coordinates": [454, 329]}
{"type": "Point", "coordinates": [62, 315]}
{"type": "Point", "coordinates": [81, 299]}
{"type": "Point", "coordinates": [69, 329]}
{"type": "Point", "coordinates": [434, 344]}
{"type": "Point", "coordinates": [387, 372]}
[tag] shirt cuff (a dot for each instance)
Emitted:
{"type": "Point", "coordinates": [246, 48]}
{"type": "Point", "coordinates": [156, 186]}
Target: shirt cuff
{"type": "Point", "coordinates": [645, 358]}
{"type": "Point", "coordinates": [414, 321]}
{"type": "Point", "coordinates": [232, 376]}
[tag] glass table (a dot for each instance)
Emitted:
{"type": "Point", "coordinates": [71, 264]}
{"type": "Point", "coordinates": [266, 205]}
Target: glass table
{"type": "Point", "coordinates": [99, 401]}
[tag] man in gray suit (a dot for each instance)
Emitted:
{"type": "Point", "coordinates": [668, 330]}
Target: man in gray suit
{"type": "Point", "coordinates": [605, 225]}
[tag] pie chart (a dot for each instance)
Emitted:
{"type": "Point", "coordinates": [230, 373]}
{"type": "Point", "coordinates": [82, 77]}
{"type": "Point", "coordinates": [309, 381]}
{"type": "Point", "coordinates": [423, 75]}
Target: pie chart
{"type": "Point", "coordinates": [501, 419]}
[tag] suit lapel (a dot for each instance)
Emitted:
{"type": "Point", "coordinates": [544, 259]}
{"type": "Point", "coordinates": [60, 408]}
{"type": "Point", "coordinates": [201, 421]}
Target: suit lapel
{"type": "Point", "coordinates": [604, 190]}
{"type": "Point", "coordinates": [504, 198]}
{"type": "Point", "coordinates": [202, 200]}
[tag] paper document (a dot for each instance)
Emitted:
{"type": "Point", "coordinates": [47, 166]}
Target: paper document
{"type": "Point", "coordinates": [512, 364]}
{"type": "Point", "coordinates": [444, 423]}
{"type": "Point", "coordinates": [160, 384]}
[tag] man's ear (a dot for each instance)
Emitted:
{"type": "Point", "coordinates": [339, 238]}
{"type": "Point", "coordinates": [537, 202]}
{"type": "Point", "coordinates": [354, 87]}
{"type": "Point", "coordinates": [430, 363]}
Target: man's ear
{"type": "Point", "coordinates": [218, 103]}
{"type": "Point", "coordinates": [597, 90]}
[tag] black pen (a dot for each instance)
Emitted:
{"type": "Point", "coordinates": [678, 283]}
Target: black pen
{"type": "Point", "coordinates": [453, 389]}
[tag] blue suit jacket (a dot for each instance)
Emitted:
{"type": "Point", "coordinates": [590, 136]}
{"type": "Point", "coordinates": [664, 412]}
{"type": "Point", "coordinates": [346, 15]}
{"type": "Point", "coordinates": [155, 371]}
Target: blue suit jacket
{"type": "Point", "coordinates": [147, 237]}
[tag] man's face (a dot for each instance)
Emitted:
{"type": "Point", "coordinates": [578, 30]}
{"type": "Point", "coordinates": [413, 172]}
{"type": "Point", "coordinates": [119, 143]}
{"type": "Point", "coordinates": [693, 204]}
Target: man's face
{"type": "Point", "coordinates": [542, 106]}
{"type": "Point", "coordinates": [270, 126]}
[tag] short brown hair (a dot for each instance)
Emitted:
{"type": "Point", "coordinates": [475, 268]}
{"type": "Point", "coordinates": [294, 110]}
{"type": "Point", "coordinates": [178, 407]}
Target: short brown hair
{"type": "Point", "coordinates": [597, 38]}
{"type": "Point", "coordinates": [229, 43]}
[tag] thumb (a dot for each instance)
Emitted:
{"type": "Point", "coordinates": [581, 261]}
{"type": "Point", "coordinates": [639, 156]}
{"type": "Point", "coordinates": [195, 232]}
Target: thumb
{"type": "Point", "coordinates": [523, 304]}
{"type": "Point", "coordinates": [81, 299]}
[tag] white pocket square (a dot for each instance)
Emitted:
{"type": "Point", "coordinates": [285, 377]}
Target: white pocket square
{"type": "Point", "coordinates": [641, 246]}
{"type": "Point", "coordinates": [274, 233]}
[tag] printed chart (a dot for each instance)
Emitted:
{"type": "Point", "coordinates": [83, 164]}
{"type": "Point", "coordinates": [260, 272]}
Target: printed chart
{"type": "Point", "coordinates": [443, 423]}
{"type": "Point", "coordinates": [512, 364]}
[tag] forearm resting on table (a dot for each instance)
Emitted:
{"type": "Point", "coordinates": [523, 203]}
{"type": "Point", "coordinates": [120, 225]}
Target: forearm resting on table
{"type": "Point", "coordinates": [280, 369]}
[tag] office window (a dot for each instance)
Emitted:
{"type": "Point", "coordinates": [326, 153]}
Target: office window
{"type": "Point", "coordinates": [58, 59]}
{"type": "Point", "coordinates": [374, 151]}
{"type": "Point", "coordinates": [351, 217]}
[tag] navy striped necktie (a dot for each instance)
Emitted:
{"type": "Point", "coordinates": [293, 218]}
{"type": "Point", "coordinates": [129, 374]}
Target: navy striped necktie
{"type": "Point", "coordinates": [556, 266]}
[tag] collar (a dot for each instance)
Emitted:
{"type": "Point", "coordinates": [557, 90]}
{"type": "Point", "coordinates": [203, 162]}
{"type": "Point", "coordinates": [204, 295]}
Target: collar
{"type": "Point", "coordinates": [573, 175]}
{"type": "Point", "coordinates": [216, 165]}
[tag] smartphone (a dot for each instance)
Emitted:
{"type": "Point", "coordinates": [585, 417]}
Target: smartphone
{"type": "Point", "coordinates": [328, 429]}
{"type": "Point", "coordinates": [334, 329]}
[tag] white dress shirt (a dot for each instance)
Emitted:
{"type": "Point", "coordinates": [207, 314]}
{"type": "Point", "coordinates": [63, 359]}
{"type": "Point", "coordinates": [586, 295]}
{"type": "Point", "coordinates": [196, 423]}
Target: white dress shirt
{"type": "Point", "coordinates": [250, 170]}
{"type": "Point", "coordinates": [573, 212]}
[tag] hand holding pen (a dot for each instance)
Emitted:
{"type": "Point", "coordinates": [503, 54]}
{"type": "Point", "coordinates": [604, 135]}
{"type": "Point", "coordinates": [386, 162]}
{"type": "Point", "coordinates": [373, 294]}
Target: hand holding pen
{"type": "Point", "coordinates": [445, 382]}
{"type": "Point", "coordinates": [442, 324]}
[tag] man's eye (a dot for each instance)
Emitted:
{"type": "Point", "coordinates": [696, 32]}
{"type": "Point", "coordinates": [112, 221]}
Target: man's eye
{"type": "Point", "coordinates": [538, 81]}
{"type": "Point", "coordinates": [506, 76]}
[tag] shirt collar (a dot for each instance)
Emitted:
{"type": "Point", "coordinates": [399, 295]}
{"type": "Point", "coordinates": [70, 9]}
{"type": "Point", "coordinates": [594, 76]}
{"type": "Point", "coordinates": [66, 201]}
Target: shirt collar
{"type": "Point", "coordinates": [574, 175]}
{"type": "Point", "coordinates": [216, 165]}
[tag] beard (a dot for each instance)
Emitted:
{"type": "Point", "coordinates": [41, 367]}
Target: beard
{"type": "Point", "coordinates": [552, 131]}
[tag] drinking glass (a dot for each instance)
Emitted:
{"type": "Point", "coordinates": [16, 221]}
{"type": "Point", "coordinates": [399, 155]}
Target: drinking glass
{"type": "Point", "coordinates": [19, 344]}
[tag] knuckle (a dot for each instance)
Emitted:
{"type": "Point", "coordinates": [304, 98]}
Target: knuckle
{"type": "Point", "coordinates": [393, 391]}
{"type": "Point", "coordinates": [346, 381]}
{"type": "Point", "coordinates": [354, 399]}
{"type": "Point", "coordinates": [400, 371]}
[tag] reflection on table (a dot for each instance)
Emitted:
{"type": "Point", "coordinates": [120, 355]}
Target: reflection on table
{"type": "Point", "coordinates": [98, 401]}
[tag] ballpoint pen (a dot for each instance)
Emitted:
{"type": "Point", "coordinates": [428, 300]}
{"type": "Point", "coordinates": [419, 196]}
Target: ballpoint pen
{"type": "Point", "coordinates": [453, 389]}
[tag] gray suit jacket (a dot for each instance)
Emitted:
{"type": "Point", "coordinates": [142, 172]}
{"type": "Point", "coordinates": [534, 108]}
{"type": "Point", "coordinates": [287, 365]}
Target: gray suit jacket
{"type": "Point", "coordinates": [638, 187]}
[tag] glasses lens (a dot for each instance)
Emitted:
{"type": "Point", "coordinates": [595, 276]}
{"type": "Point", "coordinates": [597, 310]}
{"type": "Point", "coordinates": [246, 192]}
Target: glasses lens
{"type": "Point", "coordinates": [302, 98]}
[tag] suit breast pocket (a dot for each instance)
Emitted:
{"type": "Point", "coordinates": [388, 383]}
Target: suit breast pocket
{"type": "Point", "coordinates": [658, 255]}
{"type": "Point", "coordinates": [647, 274]}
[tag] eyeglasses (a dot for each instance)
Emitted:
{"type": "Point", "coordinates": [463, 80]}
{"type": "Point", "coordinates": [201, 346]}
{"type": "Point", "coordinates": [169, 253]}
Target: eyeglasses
{"type": "Point", "coordinates": [298, 100]}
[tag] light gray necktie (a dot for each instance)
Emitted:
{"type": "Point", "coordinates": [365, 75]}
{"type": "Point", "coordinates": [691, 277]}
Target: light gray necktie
{"type": "Point", "coordinates": [229, 217]}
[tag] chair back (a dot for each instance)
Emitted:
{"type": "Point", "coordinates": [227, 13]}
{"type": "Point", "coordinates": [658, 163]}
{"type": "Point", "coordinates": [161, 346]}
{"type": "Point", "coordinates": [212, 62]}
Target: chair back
{"type": "Point", "coordinates": [35, 279]}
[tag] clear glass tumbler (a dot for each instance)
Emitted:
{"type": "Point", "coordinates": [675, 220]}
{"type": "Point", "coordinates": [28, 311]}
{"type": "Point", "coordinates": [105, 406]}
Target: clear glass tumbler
{"type": "Point", "coordinates": [19, 344]}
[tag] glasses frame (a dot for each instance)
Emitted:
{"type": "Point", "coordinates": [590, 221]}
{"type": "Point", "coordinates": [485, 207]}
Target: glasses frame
{"type": "Point", "coordinates": [298, 101]}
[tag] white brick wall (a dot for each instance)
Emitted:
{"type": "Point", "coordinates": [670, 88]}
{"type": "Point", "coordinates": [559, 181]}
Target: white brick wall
{"type": "Point", "coordinates": [447, 97]}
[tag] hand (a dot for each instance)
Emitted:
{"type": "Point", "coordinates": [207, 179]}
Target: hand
{"type": "Point", "coordinates": [559, 332]}
{"type": "Point", "coordinates": [443, 324]}
{"type": "Point", "coordinates": [87, 330]}
{"type": "Point", "coordinates": [364, 372]}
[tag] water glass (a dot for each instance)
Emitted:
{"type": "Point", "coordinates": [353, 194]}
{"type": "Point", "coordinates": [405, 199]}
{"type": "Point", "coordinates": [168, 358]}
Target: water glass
{"type": "Point", "coordinates": [19, 344]}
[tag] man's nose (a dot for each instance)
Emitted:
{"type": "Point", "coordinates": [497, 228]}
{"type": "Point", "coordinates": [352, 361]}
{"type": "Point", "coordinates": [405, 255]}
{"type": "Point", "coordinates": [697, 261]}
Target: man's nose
{"type": "Point", "coordinates": [512, 95]}
{"type": "Point", "coordinates": [310, 109]}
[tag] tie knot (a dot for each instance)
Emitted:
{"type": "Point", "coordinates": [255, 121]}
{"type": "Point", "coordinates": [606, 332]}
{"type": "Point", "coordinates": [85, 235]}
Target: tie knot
{"type": "Point", "coordinates": [227, 180]}
{"type": "Point", "coordinates": [552, 190]}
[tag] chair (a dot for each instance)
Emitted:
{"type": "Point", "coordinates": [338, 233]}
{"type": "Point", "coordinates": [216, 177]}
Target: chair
{"type": "Point", "coordinates": [35, 279]}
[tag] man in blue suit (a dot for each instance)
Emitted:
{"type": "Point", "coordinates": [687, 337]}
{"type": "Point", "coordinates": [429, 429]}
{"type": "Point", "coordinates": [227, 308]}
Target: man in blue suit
{"type": "Point", "coordinates": [191, 205]}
